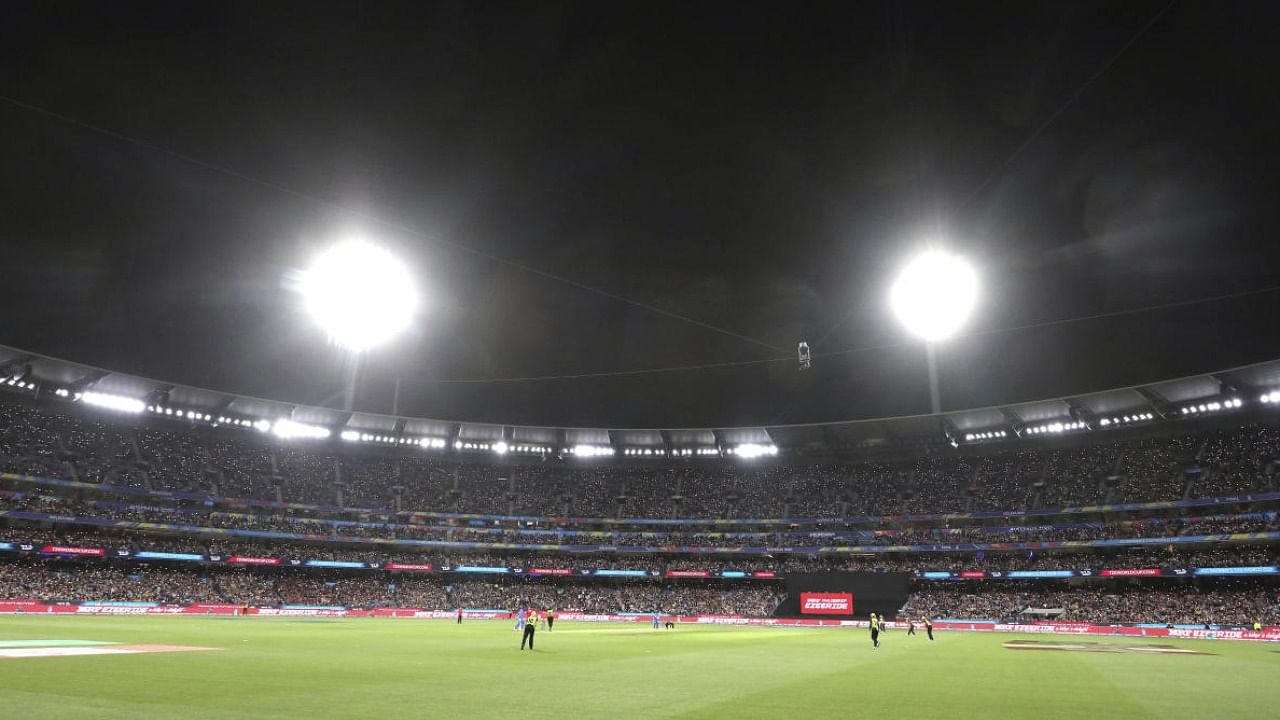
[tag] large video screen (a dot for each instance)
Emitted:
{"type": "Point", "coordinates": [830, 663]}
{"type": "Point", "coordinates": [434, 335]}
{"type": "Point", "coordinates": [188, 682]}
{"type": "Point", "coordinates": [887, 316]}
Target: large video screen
{"type": "Point", "coordinates": [825, 603]}
{"type": "Point", "coordinates": [844, 595]}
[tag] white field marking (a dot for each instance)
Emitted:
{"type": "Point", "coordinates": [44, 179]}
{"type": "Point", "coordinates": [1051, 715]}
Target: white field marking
{"type": "Point", "coordinates": [60, 651]}
{"type": "Point", "coordinates": [1101, 647]}
{"type": "Point", "coordinates": [52, 643]}
{"type": "Point", "coordinates": [606, 631]}
{"type": "Point", "coordinates": [11, 653]}
{"type": "Point", "coordinates": [720, 629]}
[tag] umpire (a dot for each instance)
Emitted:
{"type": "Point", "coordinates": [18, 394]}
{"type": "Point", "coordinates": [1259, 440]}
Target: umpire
{"type": "Point", "coordinates": [530, 627]}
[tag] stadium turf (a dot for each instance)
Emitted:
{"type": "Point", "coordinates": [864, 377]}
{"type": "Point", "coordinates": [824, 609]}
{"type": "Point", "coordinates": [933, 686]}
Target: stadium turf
{"type": "Point", "coordinates": [374, 668]}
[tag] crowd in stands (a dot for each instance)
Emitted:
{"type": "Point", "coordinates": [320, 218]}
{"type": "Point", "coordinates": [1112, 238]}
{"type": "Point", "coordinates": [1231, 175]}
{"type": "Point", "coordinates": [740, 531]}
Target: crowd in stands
{"type": "Point", "coordinates": [1218, 555]}
{"type": "Point", "coordinates": [297, 522]}
{"type": "Point", "coordinates": [104, 582]}
{"type": "Point", "coordinates": [1224, 602]}
{"type": "Point", "coordinates": [78, 582]}
{"type": "Point", "coordinates": [633, 597]}
{"type": "Point", "coordinates": [224, 463]}
{"type": "Point", "coordinates": [242, 463]}
{"type": "Point", "coordinates": [1227, 603]}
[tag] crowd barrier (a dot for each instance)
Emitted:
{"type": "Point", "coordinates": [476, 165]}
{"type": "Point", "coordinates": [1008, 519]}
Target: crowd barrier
{"type": "Point", "coordinates": [1267, 634]}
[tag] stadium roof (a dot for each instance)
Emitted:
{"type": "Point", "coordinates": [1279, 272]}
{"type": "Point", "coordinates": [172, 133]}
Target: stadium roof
{"type": "Point", "coordinates": [1151, 402]}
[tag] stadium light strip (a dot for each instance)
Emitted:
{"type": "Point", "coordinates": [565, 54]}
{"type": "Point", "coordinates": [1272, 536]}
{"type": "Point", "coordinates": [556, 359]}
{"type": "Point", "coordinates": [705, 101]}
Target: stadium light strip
{"type": "Point", "coordinates": [287, 429]}
{"type": "Point", "coordinates": [430, 443]}
{"type": "Point", "coordinates": [592, 451]}
{"type": "Point", "coordinates": [1126, 419]}
{"type": "Point", "coordinates": [180, 414]}
{"type": "Point", "coordinates": [988, 435]}
{"type": "Point", "coordinates": [1055, 428]}
{"type": "Point", "coordinates": [1213, 407]}
{"type": "Point", "coordinates": [177, 413]}
{"type": "Point", "coordinates": [752, 450]}
{"type": "Point", "coordinates": [110, 401]}
{"type": "Point", "coordinates": [696, 452]}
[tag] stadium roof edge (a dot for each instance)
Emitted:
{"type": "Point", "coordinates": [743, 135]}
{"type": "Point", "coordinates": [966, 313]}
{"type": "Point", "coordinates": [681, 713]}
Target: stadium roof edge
{"type": "Point", "coordinates": [1008, 416]}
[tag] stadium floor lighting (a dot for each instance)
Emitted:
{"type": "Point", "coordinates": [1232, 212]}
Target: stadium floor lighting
{"type": "Point", "coordinates": [934, 295]}
{"type": "Point", "coordinates": [360, 294]}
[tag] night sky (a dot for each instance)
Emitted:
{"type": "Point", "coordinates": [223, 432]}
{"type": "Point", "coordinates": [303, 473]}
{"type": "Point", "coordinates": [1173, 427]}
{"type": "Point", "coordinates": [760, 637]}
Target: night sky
{"type": "Point", "coordinates": [758, 167]}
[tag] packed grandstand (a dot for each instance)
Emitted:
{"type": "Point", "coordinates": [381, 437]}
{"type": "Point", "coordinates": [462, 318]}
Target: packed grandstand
{"type": "Point", "coordinates": [1172, 523]}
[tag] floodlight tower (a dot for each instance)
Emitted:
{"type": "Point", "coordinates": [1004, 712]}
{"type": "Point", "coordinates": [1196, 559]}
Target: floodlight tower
{"type": "Point", "coordinates": [362, 296]}
{"type": "Point", "coordinates": [932, 297]}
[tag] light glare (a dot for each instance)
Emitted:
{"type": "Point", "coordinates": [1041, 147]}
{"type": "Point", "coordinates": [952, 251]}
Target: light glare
{"type": "Point", "coordinates": [113, 402]}
{"type": "Point", "coordinates": [360, 294]}
{"type": "Point", "coordinates": [754, 450]}
{"type": "Point", "coordinates": [934, 295]}
{"type": "Point", "coordinates": [287, 429]}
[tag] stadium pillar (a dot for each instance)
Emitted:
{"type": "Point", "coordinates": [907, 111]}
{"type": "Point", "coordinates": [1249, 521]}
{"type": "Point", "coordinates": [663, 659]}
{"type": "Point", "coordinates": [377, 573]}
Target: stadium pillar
{"type": "Point", "coordinates": [935, 398]}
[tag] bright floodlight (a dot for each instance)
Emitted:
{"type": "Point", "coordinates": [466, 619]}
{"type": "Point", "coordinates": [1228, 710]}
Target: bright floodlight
{"type": "Point", "coordinates": [360, 294]}
{"type": "Point", "coordinates": [934, 294]}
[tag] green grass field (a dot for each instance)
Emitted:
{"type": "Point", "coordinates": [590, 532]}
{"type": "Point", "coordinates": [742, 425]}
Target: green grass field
{"type": "Point", "coordinates": [376, 668]}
